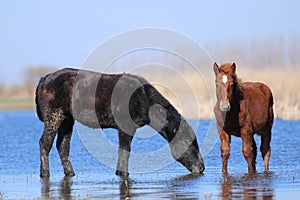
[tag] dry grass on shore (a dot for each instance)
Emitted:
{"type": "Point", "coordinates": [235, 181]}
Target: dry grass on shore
{"type": "Point", "coordinates": [193, 94]}
{"type": "Point", "coordinates": [283, 83]}
{"type": "Point", "coordinates": [285, 86]}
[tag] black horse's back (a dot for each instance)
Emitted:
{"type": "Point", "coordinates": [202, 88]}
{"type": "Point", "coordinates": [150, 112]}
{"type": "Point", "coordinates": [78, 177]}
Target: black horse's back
{"type": "Point", "coordinates": [92, 98]}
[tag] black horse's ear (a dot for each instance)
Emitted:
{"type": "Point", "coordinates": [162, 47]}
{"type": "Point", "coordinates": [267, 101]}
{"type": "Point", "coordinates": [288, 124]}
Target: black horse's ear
{"type": "Point", "coordinates": [216, 68]}
{"type": "Point", "coordinates": [233, 67]}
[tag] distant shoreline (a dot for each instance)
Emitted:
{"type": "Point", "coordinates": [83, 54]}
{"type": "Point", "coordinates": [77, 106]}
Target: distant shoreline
{"type": "Point", "coordinates": [23, 104]}
{"type": "Point", "coordinates": [17, 103]}
{"type": "Point", "coordinates": [193, 99]}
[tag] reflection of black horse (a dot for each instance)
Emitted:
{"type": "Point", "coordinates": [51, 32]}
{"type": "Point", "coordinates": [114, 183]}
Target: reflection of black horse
{"type": "Point", "coordinates": [48, 188]}
{"type": "Point", "coordinates": [124, 102]}
{"type": "Point", "coordinates": [175, 187]}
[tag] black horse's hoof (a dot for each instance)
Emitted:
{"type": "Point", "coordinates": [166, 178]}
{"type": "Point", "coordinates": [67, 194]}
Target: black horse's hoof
{"type": "Point", "coordinates": [121, 173]}
{"type": "Point", "coordinates": [70, 174]}
{"type": "Point", "coordinates": [45, 174]}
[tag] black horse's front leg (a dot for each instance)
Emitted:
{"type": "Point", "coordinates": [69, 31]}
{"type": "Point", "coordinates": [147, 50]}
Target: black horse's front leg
{"type": "Point", "coordinates": [123, 153]}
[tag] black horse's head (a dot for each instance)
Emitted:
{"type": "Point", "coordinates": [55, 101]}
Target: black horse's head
{"type": "Point", "coordinates": [192, 159]}
{"type": "Point", "coordinates": [185, 149]}
{"type": "Point", "coordinates": [166, 120]}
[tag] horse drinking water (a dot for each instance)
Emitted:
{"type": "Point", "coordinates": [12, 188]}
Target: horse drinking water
{"type": "Point", "coordinates": [243, 109]}
{"type": "Point", "coordinates": [121, 101]}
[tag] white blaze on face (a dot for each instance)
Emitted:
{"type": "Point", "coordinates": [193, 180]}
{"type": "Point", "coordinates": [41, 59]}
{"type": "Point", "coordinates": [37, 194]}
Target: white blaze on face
{"type": "Point", "coordinates": [224, 79]}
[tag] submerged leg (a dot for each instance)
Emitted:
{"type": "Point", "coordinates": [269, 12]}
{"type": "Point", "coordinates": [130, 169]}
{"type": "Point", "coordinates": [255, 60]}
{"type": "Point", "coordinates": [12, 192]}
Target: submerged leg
{"type": "Point", "coordinates": [123, 153]}
{"type": "Point", "coordinates": [254, 153]}
{"type": "Point", "coordinates": [63, 145]}
{"type": "Point", "coordinates": [51, 125]}
{"type": "Point", "coordinates": [266, 136]}
{"type": "Point", "coordinates": [265, 147]}
{"type": "Point", "coordinates": [225, 149]}
{"type": "Point", "coordinates": [247, 140]}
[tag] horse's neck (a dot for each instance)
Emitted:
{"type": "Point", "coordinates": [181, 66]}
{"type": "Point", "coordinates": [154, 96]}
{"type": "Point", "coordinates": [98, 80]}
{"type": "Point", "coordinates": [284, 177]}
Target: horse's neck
{"type": "Point", "coordinates": [172, 122]}
{"type": "Point", "coordinates": [237, 94]}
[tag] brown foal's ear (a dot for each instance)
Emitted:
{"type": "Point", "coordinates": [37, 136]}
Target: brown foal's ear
{"type": "Point", "coordinates": [216, 68]}
{"type": "Point", "coordinates": [233, 67]}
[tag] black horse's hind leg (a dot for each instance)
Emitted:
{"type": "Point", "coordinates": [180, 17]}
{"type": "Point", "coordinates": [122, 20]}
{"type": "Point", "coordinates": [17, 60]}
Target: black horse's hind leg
{"type": "Point", "coordinates": [63, 145]}
{"type": "Point", "coordinates": [51, 124]}
{"type": "Point", "coordinates": [124, 152]}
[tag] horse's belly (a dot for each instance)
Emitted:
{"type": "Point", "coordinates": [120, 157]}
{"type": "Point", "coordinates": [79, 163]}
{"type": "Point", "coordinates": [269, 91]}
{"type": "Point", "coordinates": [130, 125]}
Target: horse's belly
{"type": "Point", "coordinates": [92, 119]}
{"type": "Point", "coordinates": [87, 117]}
{"type": "Point", "coordinates": [237, 134]}
{"type": "Point", "coordinates": [232, 128]}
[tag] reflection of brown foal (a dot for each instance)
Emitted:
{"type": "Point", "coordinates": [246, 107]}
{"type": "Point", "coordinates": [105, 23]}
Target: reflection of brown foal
{"type": "Point", "coordinates": [243, 109]}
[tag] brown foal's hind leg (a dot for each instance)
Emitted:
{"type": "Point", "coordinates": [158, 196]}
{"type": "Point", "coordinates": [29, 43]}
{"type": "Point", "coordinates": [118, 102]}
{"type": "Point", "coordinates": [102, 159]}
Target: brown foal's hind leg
{"type": "Point", "coordinates": [123, 153]}
{"type": "Point", "coordinates": [265, 147]}
{"type": "Point", "coordinates": [254, 153]}
{"type": "Point", "coordinates": [63, 145]}
{"type": "Point", "coordinates": [51, 124]}
{"type": "Point", "coordinates": [266, 136]}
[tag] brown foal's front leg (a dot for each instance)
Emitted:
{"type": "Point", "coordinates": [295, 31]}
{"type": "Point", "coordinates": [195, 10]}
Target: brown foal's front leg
{"type": "Point", "coordinates": [225, 148]}
{"type": "Point", "coordinates": [248, 151]}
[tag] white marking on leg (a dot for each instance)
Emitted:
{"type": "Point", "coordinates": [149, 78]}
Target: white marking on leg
{"type": "Point", "coordinates": [224, 79]}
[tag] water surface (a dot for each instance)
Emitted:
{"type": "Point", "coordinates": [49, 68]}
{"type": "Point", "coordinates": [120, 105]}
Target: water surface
{"type": "Point", "coordinates": [19, 168]}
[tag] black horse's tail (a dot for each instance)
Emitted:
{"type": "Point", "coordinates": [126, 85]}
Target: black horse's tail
{"type": "Point", "coordinates": [37, 100]}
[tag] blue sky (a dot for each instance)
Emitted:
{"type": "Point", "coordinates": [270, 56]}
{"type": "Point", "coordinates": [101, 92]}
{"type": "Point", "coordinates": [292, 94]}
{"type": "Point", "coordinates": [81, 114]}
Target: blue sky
{"type": "Point", "coordinates": [63, 33]}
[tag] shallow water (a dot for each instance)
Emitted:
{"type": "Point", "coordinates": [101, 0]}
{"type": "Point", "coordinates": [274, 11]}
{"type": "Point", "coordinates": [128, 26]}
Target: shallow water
{"type": "Point", "coordinates": [19, 168]}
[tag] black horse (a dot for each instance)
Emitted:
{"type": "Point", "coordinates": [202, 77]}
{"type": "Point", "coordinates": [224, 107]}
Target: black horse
{"type": "Point", "coordinates": [121, 101]}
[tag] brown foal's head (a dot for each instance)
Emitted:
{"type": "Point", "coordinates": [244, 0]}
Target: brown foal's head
{"type": "Point", "coordinates": [225, 80]}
